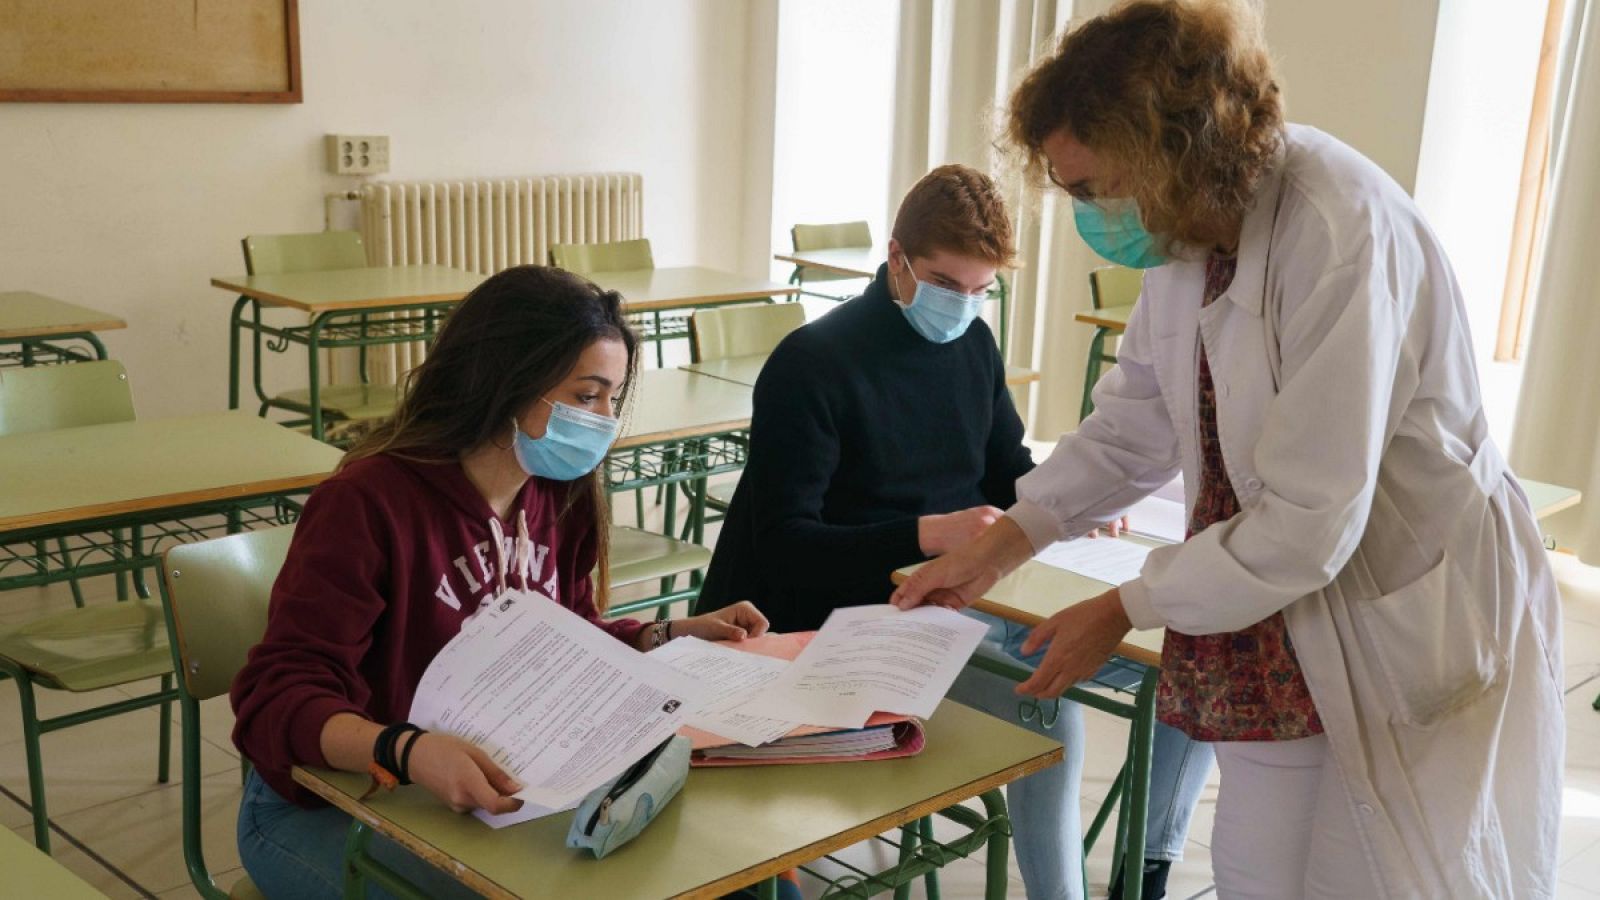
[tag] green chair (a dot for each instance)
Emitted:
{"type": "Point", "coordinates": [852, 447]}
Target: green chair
{"type": "Point", "coordinates": [321, 251]}
{"type": "Point", "coordinates": [638, 556]}
{"type": "Point", "coordinates": [44, 399]}
{"type": "Point", "coordinates": [831, 236]}
{"type": "Point", "coordinates": [621, 256]}
{"type": "Point", "coordinates": [215, 596]}
{"type": "Point", "coordinates": [1110, 288]}
{"type": "Point", "coordinates": [744, 330]}
{"type": "Point", "coordinates": [86, 648]}
{"type": "Point", "coordinates": [611, 256]}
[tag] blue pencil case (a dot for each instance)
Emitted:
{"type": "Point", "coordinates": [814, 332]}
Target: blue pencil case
{"type": "Point", "coordinates": [617, 811]}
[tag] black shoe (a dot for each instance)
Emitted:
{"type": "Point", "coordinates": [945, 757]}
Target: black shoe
{"type": "Point", "coordinates": [1153, 885]}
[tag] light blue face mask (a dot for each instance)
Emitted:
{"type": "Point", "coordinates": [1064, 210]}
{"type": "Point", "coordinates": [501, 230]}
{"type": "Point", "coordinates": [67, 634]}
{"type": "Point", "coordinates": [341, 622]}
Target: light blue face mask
{"type": "Point", "coordinates": [574, 442]}
{"type": "Point", "coordinates": [938, 313]}
{"type": "Point", "coordinates": [1117, 235]}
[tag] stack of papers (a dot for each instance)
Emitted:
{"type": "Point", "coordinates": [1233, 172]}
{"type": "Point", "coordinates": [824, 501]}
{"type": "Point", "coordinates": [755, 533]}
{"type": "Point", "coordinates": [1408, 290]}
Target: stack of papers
{"type": "Point", "coordinates": [558, 703]}
{"type": "Point", "coordinates": [847, 742]}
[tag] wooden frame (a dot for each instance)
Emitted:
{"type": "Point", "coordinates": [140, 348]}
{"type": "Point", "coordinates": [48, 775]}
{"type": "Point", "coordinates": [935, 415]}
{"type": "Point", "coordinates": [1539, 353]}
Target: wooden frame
{"type": "Point", "coordinates": [1532, 201]}
{"type": "Point", "coordinates": [291, 94]}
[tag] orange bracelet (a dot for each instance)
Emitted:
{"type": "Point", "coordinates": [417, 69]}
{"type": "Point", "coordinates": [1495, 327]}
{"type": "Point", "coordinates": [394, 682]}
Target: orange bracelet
{"type": "Point", "coordinates": [381, 778]}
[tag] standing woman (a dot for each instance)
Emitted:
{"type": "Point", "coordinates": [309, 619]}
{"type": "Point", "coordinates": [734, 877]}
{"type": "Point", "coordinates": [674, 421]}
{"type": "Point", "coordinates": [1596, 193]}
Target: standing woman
{"type": "Point", "coordinates": [1363, 618]}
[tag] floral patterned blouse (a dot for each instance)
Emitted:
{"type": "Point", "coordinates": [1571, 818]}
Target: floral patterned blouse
{"type": "Point", "coordinates": [1243, 685]}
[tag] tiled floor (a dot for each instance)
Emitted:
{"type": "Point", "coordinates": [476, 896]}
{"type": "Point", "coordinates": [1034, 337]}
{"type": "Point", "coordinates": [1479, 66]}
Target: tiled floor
{"type": "Point", "coordinates": [119, 830]}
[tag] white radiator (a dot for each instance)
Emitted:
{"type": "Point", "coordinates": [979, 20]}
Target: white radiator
{"type": "Point", "coordinates": [485, 225]}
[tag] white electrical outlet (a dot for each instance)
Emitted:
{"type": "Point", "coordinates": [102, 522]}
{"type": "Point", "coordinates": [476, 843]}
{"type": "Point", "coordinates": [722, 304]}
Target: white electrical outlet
{"type": "Point", "coordinates": [358, 154]}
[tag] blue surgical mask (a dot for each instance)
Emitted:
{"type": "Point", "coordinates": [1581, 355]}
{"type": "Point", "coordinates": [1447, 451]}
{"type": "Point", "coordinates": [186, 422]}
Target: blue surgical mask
{"type": "Point", "coordinates": [1117, 234]}
{"type": "Point", "coordinates": [938, 313]}
{"type": "Point", "coordinates": [573, 444]}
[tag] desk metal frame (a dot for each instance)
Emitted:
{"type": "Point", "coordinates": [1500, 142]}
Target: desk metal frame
{"type": "Point", "coordinates": [35, 351]}
{"type": "Point", "coordinates": [374, 326]}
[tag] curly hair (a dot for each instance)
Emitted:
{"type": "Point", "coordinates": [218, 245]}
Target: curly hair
{"type": "Point", "coordinates": [1178, 95]}
{"type": "Point", "coordinates": [959, 210]}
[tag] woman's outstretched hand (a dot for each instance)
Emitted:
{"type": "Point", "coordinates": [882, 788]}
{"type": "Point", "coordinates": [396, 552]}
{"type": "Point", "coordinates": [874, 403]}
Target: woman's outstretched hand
{"type": "Point", "coordinates": [960, 578]}
{"type": "Point", "coordinates": [1081, 638]}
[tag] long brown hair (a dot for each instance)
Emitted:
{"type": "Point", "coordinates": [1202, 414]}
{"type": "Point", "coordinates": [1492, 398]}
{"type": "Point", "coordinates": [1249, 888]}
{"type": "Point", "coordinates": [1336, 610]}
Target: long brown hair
{"type": "Point", "coordinates": [515, 338]}
{"type": "Point", "coordinates": [1178, 94]}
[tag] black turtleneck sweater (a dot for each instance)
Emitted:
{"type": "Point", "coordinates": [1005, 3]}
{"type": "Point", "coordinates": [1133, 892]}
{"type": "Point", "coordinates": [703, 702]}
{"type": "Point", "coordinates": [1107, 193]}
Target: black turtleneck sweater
{"type": "Point", "coordinates": [860, 426]}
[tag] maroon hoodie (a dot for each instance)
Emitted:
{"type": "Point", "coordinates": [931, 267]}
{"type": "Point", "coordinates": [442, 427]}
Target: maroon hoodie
{"type": "Point", "coordinates": [387, 560]}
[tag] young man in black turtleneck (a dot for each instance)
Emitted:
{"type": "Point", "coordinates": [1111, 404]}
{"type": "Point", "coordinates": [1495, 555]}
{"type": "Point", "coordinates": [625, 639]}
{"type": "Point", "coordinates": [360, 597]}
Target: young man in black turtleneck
{"type": "Point", "coordinates": [883, 434]}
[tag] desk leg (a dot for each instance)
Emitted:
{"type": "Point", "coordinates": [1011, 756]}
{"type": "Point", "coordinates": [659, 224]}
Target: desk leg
{"type": "Point", "coordinates": [996, 876]}
{"type": "Point", "coordinates": [1092, 373]}
{"type": "Point", "coordinates": [235, 325]}
{"type": "Point", "coordinates": [99, 348]}
{"type": "Point", "coordinates": [314, 365]}
{"type": "Point", "coordinates": [359, 866]}
{"type": "Point", "coordinates": [1141, 745]}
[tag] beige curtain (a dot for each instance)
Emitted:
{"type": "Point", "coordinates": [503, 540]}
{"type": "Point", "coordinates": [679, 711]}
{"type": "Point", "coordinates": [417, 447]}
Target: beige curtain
{"type": "Point", "coordinates": [957, 63]}
{"type": "Point", "coordinates": [1557, 433]}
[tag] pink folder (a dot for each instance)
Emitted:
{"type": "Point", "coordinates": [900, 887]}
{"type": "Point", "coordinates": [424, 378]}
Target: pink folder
{"type": "Point", "coordinates": [908, 734]}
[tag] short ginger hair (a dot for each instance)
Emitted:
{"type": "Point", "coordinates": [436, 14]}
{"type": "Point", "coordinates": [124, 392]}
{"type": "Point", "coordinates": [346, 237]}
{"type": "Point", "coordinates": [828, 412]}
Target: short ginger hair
{"type": "Point", "coordinates": [959, 210]}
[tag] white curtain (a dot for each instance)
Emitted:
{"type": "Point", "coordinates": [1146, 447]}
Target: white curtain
{"type": "Point", "coordinates": [1557, 432]}
{"type": "Point", "coordinates": [957, 63]}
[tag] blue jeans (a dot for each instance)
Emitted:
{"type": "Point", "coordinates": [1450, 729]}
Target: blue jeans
{"type": "Point", "coordinates": [296, 853]}
{"type": "Point", "coordinates": [1044, 807]}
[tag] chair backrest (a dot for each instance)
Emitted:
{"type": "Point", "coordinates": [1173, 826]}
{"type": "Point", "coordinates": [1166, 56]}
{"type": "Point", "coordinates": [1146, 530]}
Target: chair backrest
{"type": "Point", "coordinates": [830, 236]}
{"type": "Point", "coordinates": [316, 251]}
{"type": "Point", "coordinates": [1114, 286]}
{"type": "Point", "coordinates": [216, 595]}
{"type": "Point", "coordinates": [42, 398]}
{"type": "Point", "coordinates": [613, 256]}
{"type": "Point", "coordinates": [743, 330]}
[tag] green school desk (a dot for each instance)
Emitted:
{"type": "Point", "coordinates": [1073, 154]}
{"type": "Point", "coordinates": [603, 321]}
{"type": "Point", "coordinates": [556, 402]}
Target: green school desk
{"type": "Point", "coordinates": [680, 428]}
{"type": "Point", "coordinates": [744, 370]}
{"type": "Point", "coordinates": [85, 490]}
{"type": "Point", "coordinates": [1035, 592]}
{"type": "Point", "coordinates": [863, 262]}
{"type": "Point", "coordinates": [31, 873]}
{"type": "Point", "coordinates": [650, 293]}
{"type": "Point", "coordinates": [40, 328]}
{"type": "Point", "coordinates": [1549, 499]}
{"type": "Point", "coordinates": [358, 308]}
{"type": "Point", "coordinates": [155, 477]}
{"type": "Point", "coordinates": [728, 827]}
{"type": "Point", "coordinates": [686, 287]}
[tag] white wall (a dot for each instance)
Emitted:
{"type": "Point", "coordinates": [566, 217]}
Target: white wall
{"type": "Point", "coordinates": [131, 208]}
{"type": "Point", "coordinates": [1357, 69]}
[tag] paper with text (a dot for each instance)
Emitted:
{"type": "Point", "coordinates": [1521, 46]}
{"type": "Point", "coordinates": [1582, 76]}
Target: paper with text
{"type": "Point", "coordinates": [1106, 559]}
{"type": "Point", "coordinates": [870, 659]}
{"type": "Point", "coordinates": [730, 678]}
{"type": "Point", "coordinates": [560, 704]}
{"type": "Point", "coordinates": [1159, 518]}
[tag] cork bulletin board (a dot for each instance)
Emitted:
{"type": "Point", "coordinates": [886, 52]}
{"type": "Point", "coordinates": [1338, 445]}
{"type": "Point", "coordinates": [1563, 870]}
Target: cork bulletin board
{"type": "Point", "coordinates": [149, 51]}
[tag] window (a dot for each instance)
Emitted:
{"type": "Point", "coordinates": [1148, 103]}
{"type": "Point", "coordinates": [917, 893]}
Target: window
{"type": "Point", "coordinates": [1527, 228]}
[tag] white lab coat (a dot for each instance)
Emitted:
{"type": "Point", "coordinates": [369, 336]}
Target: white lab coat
{"type": "Point", "coordinates": [1376, 514]}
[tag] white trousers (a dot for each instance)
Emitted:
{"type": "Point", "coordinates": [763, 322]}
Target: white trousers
{"type": "Point", "coordinates": [1284, 828]}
